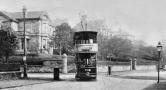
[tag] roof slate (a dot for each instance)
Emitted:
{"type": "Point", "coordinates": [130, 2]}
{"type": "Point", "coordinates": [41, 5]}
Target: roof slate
{"type": "Point", "coordinates": [8, 15]}
{"type": "Point", "coordinates": [31, 14]}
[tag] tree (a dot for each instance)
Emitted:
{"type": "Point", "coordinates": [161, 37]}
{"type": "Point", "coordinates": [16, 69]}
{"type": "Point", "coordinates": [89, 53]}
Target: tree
{"type": "Point", "coordinates": [148, 53]}
{"type": "Point", "coordinates": [119, 47]}
{"type": "Point", "coordinates": [8, 43]}
{"type": "Point", "coordinates": [63, 38]}
{"type": "Point", "coordinates": [143, 51]}
{"type": "Point", "coordinates": [102, 46]}
{"type": "Point", "coordinates": [33, 47]}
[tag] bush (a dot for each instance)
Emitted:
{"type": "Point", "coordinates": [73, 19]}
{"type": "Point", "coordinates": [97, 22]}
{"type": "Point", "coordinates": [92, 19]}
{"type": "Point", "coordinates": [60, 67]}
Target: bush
{"type": "Point", "coordinates": [9, 67]}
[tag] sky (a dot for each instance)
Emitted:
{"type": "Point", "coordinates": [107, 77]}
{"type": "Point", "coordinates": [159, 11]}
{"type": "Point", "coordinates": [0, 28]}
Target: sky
{"type": "Point", "coordinates": [145, 19]}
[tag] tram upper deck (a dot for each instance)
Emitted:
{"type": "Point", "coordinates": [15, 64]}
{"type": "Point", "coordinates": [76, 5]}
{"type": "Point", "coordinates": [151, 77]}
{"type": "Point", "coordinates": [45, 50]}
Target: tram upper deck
{"type": "Point", "coordinates": [85, 41]}
{"type": "Point", "coordinates": [85, 37]}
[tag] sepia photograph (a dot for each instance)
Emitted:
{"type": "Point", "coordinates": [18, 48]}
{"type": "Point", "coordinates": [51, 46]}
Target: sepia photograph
{"type": "Point", "coordinates": [82, 44]}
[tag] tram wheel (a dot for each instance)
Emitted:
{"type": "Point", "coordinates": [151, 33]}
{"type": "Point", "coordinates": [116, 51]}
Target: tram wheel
{"type": "Point", "coordinates": [94, 79]}
{"type": "Point", "coordinates": [77, 78]}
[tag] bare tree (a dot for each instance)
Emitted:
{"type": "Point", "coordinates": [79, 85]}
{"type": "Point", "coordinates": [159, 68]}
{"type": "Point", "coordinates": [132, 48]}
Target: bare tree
{"type": "Point", "coordinates": [62, 39]}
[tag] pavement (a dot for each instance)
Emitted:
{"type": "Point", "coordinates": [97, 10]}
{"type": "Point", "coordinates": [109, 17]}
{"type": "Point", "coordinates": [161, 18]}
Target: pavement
{"type": "Point", "coordinates": [124, 80]}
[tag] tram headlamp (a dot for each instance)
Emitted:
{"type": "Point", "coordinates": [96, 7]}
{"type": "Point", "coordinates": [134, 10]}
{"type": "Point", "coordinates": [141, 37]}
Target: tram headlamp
{"type": "Point", "coordinates": [82, 66]}
{"type": "Point", "coordinates": [87, 73]}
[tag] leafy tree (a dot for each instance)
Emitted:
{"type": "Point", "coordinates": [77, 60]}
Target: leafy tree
{"type": "Point", "coordinates": [119, 47]}
{"type": "Point", "coordinates": [33, 47]}
{"type": "Point", "coordinates": [142, 51]}
{"type": "Point", "coordinates": [102, 48]}
{"type": "Point", "coordinates": [63, 39]}
{"type": "Point", "coordinates": [8, 43]}
{"type": "Point", "coordinates": [147, 52]}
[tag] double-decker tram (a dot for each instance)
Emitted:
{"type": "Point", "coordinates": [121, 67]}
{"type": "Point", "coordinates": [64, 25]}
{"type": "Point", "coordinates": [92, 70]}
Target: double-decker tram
{"type": "Point", "coordinates": [86, 49]}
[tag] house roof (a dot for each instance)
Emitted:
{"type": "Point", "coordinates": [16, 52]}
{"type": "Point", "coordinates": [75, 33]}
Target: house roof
{"type": "Point", "coordinates": [7, 15]}
{"type": "Point", "coordinates": [31, 14]}
{"type": "Point", "coordinates": [19, 15]}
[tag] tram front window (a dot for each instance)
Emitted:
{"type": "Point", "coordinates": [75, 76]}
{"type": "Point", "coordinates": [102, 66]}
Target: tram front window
{"type": "Point", "coordinates": [87, 59]}
{"type": "Point", "coordinates": [90, 41]}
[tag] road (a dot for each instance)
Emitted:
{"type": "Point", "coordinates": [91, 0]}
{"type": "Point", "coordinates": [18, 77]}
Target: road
{"type": "Point", "coordinates": [117, 81]}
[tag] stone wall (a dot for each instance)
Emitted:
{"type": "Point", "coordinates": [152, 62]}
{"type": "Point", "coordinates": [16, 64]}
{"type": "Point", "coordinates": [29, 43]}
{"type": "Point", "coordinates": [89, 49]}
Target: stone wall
{"type": "Point", "coordinates": [10, 71]}
{"type": "Point", "coordinates": [100, 68]}
{"type": "Point", "coordinates": [113, 68]}
{"type": "Point", "coordinates": [125, 68]}
{"type": "Point", "coordinates": [10, 75]}
{"type": "Point", "coordinates": [38, 69]}
{"type": "Point", "coordinates": [146, 67]}
{"type": "Point", "coordinates": [47, 69]}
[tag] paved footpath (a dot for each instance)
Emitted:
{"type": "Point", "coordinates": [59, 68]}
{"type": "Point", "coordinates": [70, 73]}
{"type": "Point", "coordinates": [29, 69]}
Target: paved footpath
{"type": "Point", "coordinates": [135, 80]}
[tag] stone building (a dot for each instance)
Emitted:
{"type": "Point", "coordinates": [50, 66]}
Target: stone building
{"type": "Point", "coordinates": [38, 30]}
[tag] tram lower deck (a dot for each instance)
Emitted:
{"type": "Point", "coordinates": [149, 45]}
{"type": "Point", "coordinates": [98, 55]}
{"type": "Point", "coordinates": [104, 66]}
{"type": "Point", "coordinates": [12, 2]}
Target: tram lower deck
{"type": "Point", "coordinates": [86, 65]}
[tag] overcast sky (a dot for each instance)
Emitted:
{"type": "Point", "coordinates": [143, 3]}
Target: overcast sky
{"type": "Point", "coordinates": [146, 19]}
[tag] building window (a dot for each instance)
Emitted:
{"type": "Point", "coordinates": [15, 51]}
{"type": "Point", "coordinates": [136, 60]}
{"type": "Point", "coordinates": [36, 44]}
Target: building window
{"type": "Point", "coordinates": [44, 43]}
{"type": "Point", "coordinates": [22, 43]}
{"type": "Point", "coordinates": [44, 27]}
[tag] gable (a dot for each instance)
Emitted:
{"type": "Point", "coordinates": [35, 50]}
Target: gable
{"type": "Point", "coordinates": [3, 18]}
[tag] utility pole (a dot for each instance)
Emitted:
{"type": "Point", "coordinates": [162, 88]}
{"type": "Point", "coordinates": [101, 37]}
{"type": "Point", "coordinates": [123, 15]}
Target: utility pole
{"type": "Point", "coordinates": [24, 56]}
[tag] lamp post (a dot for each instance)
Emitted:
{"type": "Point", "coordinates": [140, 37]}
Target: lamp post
{"type": "Point", "coordinates": [159, 49]}
{"type": "Point", "coordinates": [24, 56]}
